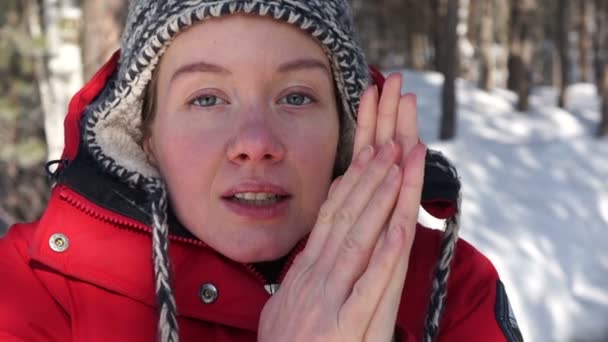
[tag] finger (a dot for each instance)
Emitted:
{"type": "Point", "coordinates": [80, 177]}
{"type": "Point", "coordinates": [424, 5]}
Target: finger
{"type": "Point", "coordinates": [340, 191]}
{"type": "Point", "coordinates": [406, 134]}
{"type": "Point", "coordinates": [366, 120]}
{"type": "Point", "coordinates": [387, 109]}
{"type": "Point", "coordinates": [357, 246]}
{"type": "Point", "coordinates": [354, 204]}
{"type": "Point", "coordinates": [333, 186]}
{"type": "Point", "coordinates": [404, 218]}
{"type": "Point", "coordinates": [361, 305]}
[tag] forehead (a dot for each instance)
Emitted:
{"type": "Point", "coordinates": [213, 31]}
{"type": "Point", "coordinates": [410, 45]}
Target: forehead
{"type": "Point", "coordinates": [243, 41]}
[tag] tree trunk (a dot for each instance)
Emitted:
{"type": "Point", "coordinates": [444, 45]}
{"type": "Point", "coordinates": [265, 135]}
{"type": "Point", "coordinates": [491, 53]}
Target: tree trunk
{"type": "Point", "coordinates": [449, 57]}
{"type": "Point", "coordinates": [464, 47]}
{"type": "Point", "coordinates": [603, 127]}
{"type": "Point", "coordinates": [101, 34]}
{"type": "Point", "coordinates": [63, 70]}
{"type": "Point", "coordinates": [562, 47]}
{"type": "Point", "coordinates": [601, 58]}
{"type": "Point", "coordinates": [521, 50]}
{"type": "Point", "coordinates": [439, 9]}
{"type": "Point", "coordinates": [486, 38]}
{"type": "Point", "coordinates": [585, 19]}
{"type": "Point", "coordinates": [600, 38]}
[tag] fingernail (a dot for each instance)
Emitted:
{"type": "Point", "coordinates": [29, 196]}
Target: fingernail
{"type": "Point", "coordinates": [366, 154]}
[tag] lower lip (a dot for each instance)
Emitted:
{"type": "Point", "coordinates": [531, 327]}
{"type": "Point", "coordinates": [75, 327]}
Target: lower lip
{"type": "Point", "coordinates": [255, 212]}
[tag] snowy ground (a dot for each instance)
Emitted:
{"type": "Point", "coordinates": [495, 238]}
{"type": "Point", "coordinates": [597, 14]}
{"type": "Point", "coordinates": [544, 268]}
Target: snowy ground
{"type": "Point", "coordinates": [535, 200]}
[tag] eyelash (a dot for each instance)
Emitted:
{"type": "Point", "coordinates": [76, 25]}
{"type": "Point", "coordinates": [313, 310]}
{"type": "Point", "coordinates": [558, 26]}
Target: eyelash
{"type": "Point", "coordinates": [194, 101]}
{"type": "Point", "coordinates": [307, 100]}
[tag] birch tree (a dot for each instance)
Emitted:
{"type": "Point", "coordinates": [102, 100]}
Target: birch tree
{"type": "Point", "coordinates": [60, 74]}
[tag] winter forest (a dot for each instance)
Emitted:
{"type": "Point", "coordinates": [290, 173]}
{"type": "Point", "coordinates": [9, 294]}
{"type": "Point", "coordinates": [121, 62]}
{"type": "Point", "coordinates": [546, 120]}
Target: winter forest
{"type": "Point", "coordinates": [515, 92]}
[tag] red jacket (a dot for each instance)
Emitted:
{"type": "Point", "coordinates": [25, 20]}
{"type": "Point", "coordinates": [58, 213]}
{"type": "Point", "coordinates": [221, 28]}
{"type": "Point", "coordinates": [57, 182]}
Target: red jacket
{"type": "Point", "coordinates": [94, 281]}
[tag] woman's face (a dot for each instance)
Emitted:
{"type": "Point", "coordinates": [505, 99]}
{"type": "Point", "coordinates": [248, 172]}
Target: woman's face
{"type": "Point", "coordinates": [245, 133]}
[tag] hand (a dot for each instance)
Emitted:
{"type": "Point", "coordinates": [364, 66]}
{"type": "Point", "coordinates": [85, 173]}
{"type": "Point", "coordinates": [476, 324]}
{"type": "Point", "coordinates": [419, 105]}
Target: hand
{"type": "Point", "coordinates": [395, 117]}
{"type": "Point", "coordinates": [346, 284]}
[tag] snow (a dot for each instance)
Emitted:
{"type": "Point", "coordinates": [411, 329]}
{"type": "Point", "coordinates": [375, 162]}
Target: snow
{"type": "Point", "coordinates": [535, 200]}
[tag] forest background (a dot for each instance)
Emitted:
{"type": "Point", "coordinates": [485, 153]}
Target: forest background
{"type": "Point", "coordinates": [49, 48]}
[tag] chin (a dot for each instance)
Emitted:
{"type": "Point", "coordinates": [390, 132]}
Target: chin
{"type": "Point", "coordinates": [257, 250]}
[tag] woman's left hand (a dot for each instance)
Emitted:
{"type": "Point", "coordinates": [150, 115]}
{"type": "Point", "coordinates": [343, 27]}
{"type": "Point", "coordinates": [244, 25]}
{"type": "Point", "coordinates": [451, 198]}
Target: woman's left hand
{"type": "Point", "coordinates": [396, 118]}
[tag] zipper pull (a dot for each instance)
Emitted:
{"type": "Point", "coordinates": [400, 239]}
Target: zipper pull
{"type": "Point", "coordinates": [272, 288]}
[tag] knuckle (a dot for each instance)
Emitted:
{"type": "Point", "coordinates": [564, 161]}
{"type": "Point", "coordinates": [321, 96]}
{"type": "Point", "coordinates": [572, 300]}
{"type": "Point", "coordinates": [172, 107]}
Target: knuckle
{"type": "Point", "coordinates": [303, 261]}
{"type": "Point", "coordinates": [400, 221]}
{"type": "Point", "coordinates": [378, 169]}
{"type": "Point", "coordinates": [403, 224]}
{"type": "Point", "coordinates": [352, 245]}
{"type": "Point", "coordinates": [356, 167]}
{"type": "Point", "coordinates": [345, 217]}
{"type": "Point", "coordinates": [325, 213]}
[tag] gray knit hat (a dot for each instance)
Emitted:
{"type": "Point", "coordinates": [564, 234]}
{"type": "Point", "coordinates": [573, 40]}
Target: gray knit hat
{"type": "Point", "coordinates": [112, 123]}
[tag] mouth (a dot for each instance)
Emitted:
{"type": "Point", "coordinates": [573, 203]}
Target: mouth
{"type": "Point", "coordinates": [257, 201]}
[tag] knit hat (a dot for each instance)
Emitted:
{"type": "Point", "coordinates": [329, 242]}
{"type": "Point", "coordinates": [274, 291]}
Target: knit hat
{"type": "Point", "coordinates": [112, 129]}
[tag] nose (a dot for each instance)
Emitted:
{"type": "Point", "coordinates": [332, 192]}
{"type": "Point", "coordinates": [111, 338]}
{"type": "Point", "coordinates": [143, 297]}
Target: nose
{"type": "Point", "coordinates": [255, 142]}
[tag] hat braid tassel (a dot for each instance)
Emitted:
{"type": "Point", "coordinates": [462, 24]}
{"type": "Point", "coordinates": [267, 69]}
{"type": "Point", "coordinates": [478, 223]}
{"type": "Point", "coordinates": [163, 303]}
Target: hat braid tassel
{"type": "Point", "coordinates": [442, 271]}
{"type": "Point", "coordinates": [168, 329]}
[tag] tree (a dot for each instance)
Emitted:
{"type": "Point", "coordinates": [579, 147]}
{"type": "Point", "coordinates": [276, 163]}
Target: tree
{"type": "Point", "coordinates": [486, 38]}
{"type": "Point", "coordinates": [521, 50]}
{"type": "Point", "coordinates": [23, 183]}
{"type": "Point", "coordinates": [562, 47]}
{"type": "Point", "coordinates": [63, 73]}
{"type": "Point", "coordinates": [448, 62]}
{"type": "Point", "coordinates": [601, 63]}
{"type": "Point", "coordinates": [585, 20]}
{"type": "Point", "coordinates": [101, 33]}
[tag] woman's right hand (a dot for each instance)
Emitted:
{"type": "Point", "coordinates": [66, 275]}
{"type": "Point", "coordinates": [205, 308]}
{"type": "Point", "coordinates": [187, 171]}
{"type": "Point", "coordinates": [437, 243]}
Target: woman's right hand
{"type": "Point", "coordinates": [344, 285]}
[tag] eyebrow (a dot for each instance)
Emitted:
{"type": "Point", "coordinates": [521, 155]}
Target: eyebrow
{"type": "Point", "coordinates": [304, 64]}
{"type": "Point", "coordinates": [199, 67]}
{"type": "Point", "coordinates": [295, 65]}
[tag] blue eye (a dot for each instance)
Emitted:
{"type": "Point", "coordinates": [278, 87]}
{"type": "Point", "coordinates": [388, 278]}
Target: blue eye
{"type": "Point", "coordinates": [296, 99]}
{"type": "Point", "coordinates": [207, 101]}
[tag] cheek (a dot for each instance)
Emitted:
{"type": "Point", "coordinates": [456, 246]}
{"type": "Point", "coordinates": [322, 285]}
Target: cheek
{"type": "Point", "coordinates": [186, 159]}
{"type": "Point", "coordinates": [314, 153]}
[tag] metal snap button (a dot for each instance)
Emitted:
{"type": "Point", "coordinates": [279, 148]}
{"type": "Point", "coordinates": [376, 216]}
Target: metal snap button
{"type": "Point", "coordinates": [208, 293]}
{"type": "Point", "coordinates": [59, 242]}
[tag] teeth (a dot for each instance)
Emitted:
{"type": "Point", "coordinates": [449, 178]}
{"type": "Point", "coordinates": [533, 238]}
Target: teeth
{"type": "Point", "coordinates": [255, 196]}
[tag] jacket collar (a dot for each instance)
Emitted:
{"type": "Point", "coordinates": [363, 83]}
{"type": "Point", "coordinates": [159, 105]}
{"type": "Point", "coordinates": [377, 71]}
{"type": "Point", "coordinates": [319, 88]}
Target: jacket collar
{"type": "Point", "coordinates": [112, 252]}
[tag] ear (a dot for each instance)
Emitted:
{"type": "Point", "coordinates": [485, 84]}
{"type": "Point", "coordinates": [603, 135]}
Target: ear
{"type": "Point", "coordinates": [149, 150]}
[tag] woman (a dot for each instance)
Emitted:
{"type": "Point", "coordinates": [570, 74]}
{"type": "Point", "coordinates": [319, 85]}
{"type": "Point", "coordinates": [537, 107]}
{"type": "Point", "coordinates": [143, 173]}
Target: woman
{"type": "Point", "coordinates": [221, 140]}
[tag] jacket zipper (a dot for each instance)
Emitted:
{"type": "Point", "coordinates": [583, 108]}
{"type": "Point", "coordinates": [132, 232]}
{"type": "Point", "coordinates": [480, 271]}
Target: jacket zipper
{"type": "Point", "coordinates": [90, 210]}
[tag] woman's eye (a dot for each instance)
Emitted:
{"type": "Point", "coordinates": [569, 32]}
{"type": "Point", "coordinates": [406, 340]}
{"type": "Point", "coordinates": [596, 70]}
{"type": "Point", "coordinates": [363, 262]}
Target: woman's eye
{"type": "Point", "coordinates": [207, 101]}
{"type": "Point", "coordinates": [296, 99]}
